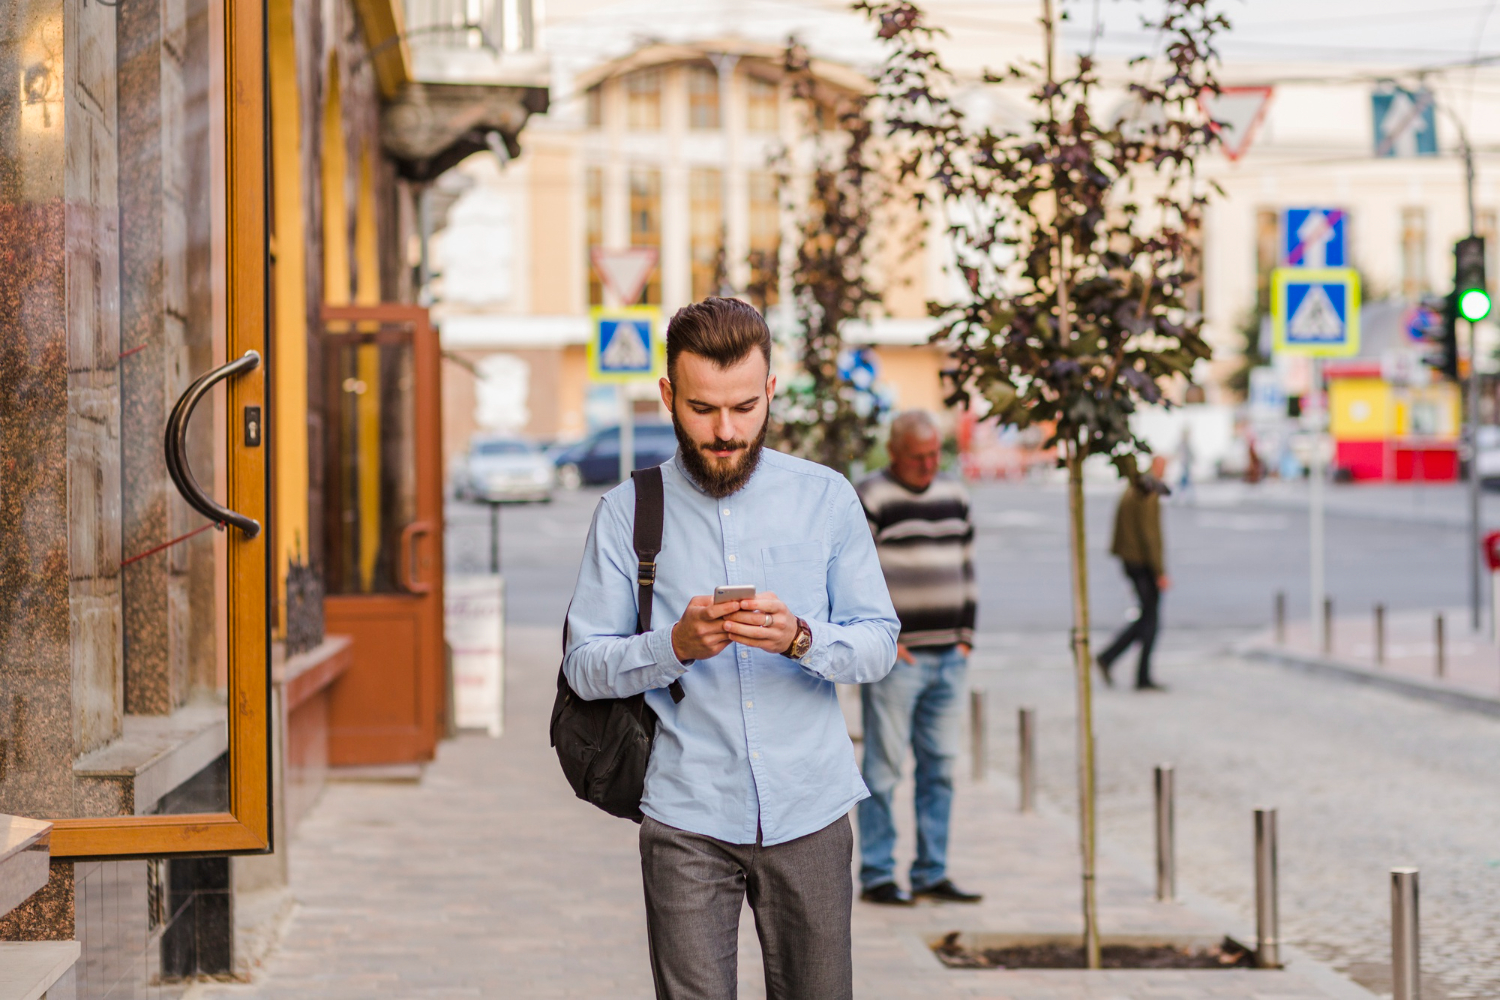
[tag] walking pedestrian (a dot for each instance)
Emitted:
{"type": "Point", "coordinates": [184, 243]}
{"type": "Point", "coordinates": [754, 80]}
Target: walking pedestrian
{"type": "Point", "coordinates": [1138, 546]}
{"type": "Point", "coordinates": [926, 543]}
{"type": "Point", "coordinates": [752, 774]}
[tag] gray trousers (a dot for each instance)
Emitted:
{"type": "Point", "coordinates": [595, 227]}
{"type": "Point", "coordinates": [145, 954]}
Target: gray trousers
{"type": "Point", "coordinates": [802, 894]}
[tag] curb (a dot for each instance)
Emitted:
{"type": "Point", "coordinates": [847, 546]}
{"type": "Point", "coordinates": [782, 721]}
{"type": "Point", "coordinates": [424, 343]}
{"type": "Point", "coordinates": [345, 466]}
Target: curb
{"type": "Point", "coordinates": [1412, 687]}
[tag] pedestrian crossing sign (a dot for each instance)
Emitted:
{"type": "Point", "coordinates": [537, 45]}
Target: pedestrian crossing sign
{"type": "Point", "coordinates": [627, 344]}
{"type": "Point", "coordinates": [1315, 311]}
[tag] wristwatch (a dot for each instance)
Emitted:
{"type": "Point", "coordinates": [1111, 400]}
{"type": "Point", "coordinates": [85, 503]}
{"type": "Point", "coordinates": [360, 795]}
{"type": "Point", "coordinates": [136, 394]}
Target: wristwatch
{"type": "Point", "coordinates": [801, 643]}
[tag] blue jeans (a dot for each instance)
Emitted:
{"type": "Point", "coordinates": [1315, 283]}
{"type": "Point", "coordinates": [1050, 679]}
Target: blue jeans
{"type": "Point", "coordinates": [917, 705]}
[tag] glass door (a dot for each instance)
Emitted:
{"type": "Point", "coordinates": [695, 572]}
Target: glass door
{"type": "Point", "coordinates": [134, 673]}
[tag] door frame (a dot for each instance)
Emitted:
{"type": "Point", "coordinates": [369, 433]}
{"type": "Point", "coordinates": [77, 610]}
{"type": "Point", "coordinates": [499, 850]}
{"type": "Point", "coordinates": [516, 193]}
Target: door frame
{"type": "Point", "coordinates": [428, 459]}
{"type": "Point", "coordinates": [246, 826]}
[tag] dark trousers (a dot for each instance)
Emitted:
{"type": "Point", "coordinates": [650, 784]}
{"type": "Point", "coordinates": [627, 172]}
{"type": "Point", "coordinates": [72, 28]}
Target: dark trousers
{"type": "Point", "coordinates": [802, 895]}
{"type": "Point", "coordinates": [1143, 629]}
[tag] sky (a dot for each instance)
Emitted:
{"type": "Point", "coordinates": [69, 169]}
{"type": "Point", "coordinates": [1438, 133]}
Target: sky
{"type": "Point", "coordinates": [1405, 33]}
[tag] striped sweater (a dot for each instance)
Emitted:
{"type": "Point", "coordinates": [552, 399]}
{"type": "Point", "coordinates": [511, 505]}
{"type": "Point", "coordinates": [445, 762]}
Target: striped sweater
{"type": "Point", "coordinates": [926, 546]}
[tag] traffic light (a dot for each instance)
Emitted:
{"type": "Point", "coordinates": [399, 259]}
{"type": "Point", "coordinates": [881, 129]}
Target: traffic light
{"type": "Point", "coordinates": [1471, 291]}
{"type": "Point", "coordinates": [1435, 324]}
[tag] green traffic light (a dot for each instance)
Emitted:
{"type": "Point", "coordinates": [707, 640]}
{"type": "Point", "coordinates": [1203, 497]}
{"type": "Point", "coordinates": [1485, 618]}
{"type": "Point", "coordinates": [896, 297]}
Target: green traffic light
{"type": "Point", "coordinates": [1474, 305]}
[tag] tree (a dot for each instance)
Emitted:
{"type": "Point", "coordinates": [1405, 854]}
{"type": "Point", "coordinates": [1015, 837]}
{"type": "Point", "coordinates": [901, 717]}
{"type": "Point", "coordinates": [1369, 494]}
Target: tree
{"type": "Point", "coordinates": [820, 414]}
{"type": "Point", "coordinates": [1072, 238]}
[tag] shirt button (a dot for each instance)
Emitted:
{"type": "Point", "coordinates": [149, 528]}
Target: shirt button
{"type": "Point", "coordinates": [749, 704]}
{"type": "Point", "coordinates": [726, 511]}
{"type": "Point", "coordinates": [756, 755]}
{"type": "Point", "coordinates": [731, 558]}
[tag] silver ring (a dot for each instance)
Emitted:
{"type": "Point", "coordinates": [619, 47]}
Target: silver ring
{"type": "Point", "coordinates": [769, 619]}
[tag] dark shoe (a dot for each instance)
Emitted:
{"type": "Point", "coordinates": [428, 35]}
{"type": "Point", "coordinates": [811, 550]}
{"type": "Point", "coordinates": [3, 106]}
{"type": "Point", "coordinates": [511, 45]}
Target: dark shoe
{"type": "Point", "coordinates": [946, 892]}
{"type": "Point", "coordinates": [887, 894]}
{"type": "Point", "coordinates": [1150, 686]}
{"type": "Point", "coordinates": [1104, 668]}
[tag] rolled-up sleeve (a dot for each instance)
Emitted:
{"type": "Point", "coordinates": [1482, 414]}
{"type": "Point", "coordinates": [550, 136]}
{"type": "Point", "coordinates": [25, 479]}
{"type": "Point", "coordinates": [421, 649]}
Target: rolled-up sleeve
{"type": "Point", "coordinates": [857, 644]}
{"type": "Point", "coordinates": [605, 658]}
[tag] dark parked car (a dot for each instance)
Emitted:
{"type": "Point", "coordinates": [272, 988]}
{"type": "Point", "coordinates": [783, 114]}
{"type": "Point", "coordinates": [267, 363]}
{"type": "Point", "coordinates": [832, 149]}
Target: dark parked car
{"type": "Point", "coordinates": [596, 459]}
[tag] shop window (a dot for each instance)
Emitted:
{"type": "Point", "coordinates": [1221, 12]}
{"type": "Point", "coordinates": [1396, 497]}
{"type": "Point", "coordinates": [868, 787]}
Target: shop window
{"type": "Point", "coordinates": [703, 97]}
{"type": "Point", "coordinates": [643, 100]}
{"type": "Point", "coordinates": [706, 207]}
{"type": "Point", "coordinates": [761, 110]}
{"type": "Point", "coordinates": [645, 223]}
{"type": "Point", "coordinates": [134, 537]}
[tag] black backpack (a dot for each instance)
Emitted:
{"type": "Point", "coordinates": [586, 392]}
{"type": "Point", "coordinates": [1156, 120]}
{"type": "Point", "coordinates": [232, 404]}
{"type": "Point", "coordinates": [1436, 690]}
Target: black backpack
{"type": "Point", "coordinates": [604, 745]}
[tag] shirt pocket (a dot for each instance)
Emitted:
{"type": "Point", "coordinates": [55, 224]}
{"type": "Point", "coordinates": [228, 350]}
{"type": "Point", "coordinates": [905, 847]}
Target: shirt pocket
{"type": "Point", "coordinates": [798, 574]}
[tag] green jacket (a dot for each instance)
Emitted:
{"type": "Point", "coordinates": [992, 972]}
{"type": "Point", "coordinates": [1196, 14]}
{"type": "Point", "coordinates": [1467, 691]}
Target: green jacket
{"type": "Point", "coordinates": [1138, 529]}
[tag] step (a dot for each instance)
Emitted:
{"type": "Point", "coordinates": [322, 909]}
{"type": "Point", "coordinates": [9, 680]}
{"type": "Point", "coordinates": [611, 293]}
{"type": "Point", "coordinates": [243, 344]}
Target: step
{"type": "Point", "coordinates": [37, 970]}
{"type": "Point", "coordinates": [24, 854]}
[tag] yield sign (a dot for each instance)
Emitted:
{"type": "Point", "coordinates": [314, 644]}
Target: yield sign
{"type": "Point", "coordinates": [624, 272]}
{"type": "Point", "coordinates": [1235, 114]}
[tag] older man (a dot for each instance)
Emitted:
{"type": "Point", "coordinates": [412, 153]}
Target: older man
{"type": "Point", "coordinates": [926, 546]}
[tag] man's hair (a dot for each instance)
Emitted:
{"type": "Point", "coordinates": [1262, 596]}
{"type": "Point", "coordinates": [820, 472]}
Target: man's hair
{"type": "Point", "coordinates": [723, 330]}
{"type": "Point", "coordinates": [911, 422]}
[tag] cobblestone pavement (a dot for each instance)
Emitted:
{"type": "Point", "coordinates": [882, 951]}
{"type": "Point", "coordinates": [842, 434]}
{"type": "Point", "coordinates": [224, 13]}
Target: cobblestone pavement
{"type": "Point", "coordinates": [1363, 780]}
{"type": "Point", "coordinates": [488, 879]}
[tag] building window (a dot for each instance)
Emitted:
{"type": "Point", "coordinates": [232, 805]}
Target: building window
{"type": "Point", "coordinates": [593, 107]}
{"type": "Point", "coordinates": [761, 109]}
{"type": "Point", "coordinates": [593, 214]}
{"type": "Point", "coordinates": [645, 223]}
{"type": "Point", "coordinates": [1267, 255]}
{"type": "Point", "coordinates": [1413, 252]}
{"type": "Point", "coordinates": [703, 97]}
{"type": "Point", "coordinates": [643, 100]}
{"type": "Point", "coordinates": [706, 207]}
{"type": "Point", "coordinates": [765, 237]}
{"type": "Point", "coordinates": [1486, 224]}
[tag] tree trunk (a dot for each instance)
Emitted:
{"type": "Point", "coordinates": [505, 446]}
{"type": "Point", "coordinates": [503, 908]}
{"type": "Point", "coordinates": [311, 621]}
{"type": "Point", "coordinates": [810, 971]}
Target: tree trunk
{"type": "Point", "coordinates": [1083, 666]}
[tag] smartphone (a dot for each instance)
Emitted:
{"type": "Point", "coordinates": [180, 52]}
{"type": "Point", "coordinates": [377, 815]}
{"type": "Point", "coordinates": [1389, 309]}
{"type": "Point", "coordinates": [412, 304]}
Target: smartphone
{"type": "Point", "coordinates": [734, 592]}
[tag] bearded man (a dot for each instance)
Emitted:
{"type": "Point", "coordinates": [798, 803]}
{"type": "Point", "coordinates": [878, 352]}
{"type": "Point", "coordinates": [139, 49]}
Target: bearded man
{"type": "Point", "coordinates": [752, 773]}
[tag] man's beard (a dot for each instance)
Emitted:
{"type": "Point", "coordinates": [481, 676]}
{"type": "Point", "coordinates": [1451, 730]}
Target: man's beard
{"type": "Point", "coordinates": [715, 480]}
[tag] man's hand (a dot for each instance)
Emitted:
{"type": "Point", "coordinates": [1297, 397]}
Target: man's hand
{"type": "Point", "coordinates": [1163, 582]}
{"type": "Point", "coordinates": [904, 655]}
{"type": "Point", "coordinates": [700, 632]}
{"type": "Point", "coordinates": [965, 649]}
{"type": "Point", "coordinates": [763, 622]}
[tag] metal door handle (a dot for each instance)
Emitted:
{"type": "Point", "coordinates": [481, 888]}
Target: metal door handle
{"type": "Point", "coordinates": [408, 535]}
{"type": "Point", "coordinates": [176, 444]}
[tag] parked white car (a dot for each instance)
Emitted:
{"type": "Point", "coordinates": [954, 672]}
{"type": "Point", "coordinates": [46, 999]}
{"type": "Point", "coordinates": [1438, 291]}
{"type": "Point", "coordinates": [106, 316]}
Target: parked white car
{"type": "Point", "coordinates": [505, 470]}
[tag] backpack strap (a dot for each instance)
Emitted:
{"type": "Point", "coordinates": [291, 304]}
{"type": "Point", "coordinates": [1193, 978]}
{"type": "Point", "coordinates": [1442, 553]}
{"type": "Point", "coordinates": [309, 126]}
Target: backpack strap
{"type": "Point", "coordinates": [650, 512]}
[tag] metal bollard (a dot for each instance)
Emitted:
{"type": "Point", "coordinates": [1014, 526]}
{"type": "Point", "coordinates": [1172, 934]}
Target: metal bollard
{"type": "Point", "coordinates": [1267, 920]}
{"type": "Point", "coordinates": [1027, 761]}
{"type": "Point", "coordinates": [1166, 847]}
{"type": "Point", "coordinates": [1281, 618]}
{"type": "Point", "coordinates": [1440, 657]}
{"type": "Point", "coordinates": [1327, 626]}
{"type": "Point", "coordinates": [976, 732]}
{"type": "Point", "coordinates": [1380, 635]}
{"type": "Point", "coordinates": [1406, 964]}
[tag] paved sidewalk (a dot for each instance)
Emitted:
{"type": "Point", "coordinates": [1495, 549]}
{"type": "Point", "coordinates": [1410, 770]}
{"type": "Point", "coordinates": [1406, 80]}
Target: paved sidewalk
{"type": "Point", "coordinates": [1407, 660]}
{"type": "Point", "coordinates": [488, 879]}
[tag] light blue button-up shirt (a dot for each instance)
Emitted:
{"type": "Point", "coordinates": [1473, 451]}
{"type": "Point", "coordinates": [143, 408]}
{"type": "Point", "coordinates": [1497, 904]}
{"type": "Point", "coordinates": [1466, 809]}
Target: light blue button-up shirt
{"type": "Point", "coordinates": [758, 741]}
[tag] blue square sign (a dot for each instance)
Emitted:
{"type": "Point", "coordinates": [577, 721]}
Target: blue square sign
{"type": "Point", "coordinates": [1313, 237]}
{"type": "Point", "coordinates": [1315, 311]}
{"type": "Point", "coordinates": [625, 345]}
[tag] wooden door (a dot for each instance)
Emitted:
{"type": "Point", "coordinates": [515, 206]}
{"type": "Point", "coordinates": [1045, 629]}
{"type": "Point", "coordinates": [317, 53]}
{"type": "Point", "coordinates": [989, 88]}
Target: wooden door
{"type": "Point", "coordinates": [383, 532]}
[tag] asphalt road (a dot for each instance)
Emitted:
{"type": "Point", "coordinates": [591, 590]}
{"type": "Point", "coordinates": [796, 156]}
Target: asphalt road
{"type": "Point", "coordinates": [1227, 553]}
